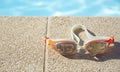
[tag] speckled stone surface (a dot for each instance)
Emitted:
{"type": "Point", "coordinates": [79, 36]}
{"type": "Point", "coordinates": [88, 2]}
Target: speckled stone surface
{"type": "Point", "coordinates": [21, 44]}
{"type": "Point", "coordinates": [22, 48]}
{"type": "Point", "coordinates": [59, 27]}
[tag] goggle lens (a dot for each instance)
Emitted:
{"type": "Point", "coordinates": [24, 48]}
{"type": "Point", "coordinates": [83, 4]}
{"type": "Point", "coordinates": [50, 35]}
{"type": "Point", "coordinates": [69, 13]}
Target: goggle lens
{"type": "Point", "coordinates": [66, 48]}
{"type": "Point", "coordinates": [96, 47]}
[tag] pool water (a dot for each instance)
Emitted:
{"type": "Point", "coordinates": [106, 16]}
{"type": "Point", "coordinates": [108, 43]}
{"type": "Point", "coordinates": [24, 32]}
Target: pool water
{"type": "Point", "coordinates": [60, 8]}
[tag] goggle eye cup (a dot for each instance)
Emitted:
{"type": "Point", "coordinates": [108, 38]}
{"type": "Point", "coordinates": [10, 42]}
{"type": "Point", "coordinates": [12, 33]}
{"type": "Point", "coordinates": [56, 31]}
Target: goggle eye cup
{"type": "Point", "coordinates": [96, 47]}
{"type": "Point", "coordinates": [66, 48]}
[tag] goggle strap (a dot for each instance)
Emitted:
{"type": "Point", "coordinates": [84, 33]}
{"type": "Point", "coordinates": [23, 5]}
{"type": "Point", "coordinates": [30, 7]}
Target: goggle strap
{"type": "Point", "coordinates": [110, 40]}
{"type": "Point", "coordinates": [45, 40]}
{"type": "Point", "coordinates": [75, 37]}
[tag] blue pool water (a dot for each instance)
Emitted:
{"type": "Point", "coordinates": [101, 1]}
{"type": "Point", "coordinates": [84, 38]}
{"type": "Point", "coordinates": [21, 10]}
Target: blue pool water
{"type": "Point", "coordinates": [60, 8]}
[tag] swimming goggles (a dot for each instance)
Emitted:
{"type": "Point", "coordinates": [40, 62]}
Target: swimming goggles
{"type": "Point", "coordinates": [81, 37]}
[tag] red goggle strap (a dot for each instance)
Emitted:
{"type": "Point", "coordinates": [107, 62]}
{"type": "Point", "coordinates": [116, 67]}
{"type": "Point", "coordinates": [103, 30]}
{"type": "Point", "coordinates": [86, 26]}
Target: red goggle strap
{"type": "Point", "coordinates": [45, 40]}
{"type": "Point", "coordinates": [110, 40]}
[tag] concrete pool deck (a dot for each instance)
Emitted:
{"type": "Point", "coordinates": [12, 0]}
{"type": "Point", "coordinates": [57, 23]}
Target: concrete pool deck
{"type": "Point", "coordinates": [22, 48]}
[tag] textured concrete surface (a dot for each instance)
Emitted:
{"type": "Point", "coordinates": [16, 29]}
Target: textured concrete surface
{"type": "Point", "coordinates": [22, 49]}
{"type": "Point", "coordinates": [59, 27]}
{"type": "Point", "coordinates": [21, 44]}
